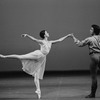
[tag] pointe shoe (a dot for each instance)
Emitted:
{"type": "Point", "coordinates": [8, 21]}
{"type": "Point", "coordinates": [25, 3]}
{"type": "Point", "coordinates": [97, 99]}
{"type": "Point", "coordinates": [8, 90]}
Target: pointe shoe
{"type": "Point", "coordinates": [38, 93]}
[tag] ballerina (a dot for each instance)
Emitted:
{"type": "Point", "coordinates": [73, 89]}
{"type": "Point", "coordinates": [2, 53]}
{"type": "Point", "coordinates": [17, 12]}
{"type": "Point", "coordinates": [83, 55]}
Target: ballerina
{"type": "Point", "coordinates": [34, 62]}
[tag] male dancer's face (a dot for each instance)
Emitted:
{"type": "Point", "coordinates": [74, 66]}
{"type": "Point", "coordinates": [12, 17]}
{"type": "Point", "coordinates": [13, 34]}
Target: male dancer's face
{"type": "Point", "coordinates": [91, 31]}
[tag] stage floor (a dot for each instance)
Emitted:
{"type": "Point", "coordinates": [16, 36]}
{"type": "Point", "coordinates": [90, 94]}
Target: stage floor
{"type": "Point", "coordinates": [52, 87]}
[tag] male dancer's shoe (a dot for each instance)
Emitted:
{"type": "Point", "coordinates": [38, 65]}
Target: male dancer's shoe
{"type": "Point", "coordinates": [93, 90]}
{"type": "Point", "coordinates": [90, 96]}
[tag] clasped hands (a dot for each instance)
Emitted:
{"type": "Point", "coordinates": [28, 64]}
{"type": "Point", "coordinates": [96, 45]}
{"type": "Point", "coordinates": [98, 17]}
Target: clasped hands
{"type": "Point", "coordinates": [71, 35]}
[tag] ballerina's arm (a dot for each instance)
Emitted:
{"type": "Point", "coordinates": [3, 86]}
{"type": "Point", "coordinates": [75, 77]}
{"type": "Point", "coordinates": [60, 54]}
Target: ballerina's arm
{"type": "Point", "coordinates": [32, 38]}
{"type": "Point", "coordinates": [61, 39]}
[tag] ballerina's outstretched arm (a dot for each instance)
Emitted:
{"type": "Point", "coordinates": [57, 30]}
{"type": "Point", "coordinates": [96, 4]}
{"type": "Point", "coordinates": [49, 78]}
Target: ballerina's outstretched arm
{"type": "Point", "coordinates": [61, 39]}
{"type": "Point", "coordinates": [11, 56]}
{"type": "Point", "coordinates": [32, 38]}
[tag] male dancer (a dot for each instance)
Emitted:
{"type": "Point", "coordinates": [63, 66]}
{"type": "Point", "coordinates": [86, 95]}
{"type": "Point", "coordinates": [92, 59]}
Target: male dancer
{"type": "Point", "coordinates": [93, 43]}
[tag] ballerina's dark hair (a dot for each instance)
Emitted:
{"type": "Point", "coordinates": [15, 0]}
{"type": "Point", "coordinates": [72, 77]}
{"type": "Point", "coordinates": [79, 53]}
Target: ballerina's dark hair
{"type": "Point", "coordinates": [42, 33]}
{"type": "Point", "coordinates": [96, 29]}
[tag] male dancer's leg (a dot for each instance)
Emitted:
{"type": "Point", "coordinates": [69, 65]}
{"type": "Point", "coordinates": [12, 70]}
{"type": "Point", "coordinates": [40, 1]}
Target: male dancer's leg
{"type": "Point", "coordinates": [93, 71]}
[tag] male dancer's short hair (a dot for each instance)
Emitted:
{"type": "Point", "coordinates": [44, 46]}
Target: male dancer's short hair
{"type": "Point", "coordinates": [96, 29]}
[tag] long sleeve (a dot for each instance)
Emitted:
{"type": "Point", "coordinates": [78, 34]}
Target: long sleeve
{"type": "Point", "coordinates": [81, 43]}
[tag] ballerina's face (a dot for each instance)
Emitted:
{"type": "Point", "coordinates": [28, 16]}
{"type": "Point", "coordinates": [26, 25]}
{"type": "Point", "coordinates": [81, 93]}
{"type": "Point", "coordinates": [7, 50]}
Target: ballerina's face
{"type": "Point", "coordinates": [46, 34]}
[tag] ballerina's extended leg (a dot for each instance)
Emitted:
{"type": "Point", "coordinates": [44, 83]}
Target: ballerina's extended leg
{"type": "Point", "coordinates": [25, 56]}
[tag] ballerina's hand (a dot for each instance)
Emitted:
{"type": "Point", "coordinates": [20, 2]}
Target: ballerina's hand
{"type": "Point", "coordinates": [23, 35]}
{"type": "Point", "coordinates": [2, 56]}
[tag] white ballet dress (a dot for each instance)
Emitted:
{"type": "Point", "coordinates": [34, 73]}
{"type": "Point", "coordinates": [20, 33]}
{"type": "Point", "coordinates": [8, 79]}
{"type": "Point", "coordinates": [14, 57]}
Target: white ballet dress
{"type": "Point", "coordinates": [36, 65]}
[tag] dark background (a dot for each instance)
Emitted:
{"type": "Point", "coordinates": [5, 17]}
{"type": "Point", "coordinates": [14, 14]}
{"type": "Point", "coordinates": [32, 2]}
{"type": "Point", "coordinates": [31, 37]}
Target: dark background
{"type": "Point", "coordinates": [58, 17]}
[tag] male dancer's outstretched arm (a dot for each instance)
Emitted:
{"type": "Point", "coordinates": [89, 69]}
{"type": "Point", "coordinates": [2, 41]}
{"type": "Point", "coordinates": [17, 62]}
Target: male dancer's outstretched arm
{"type": "Point", "coordinates": [80, 43]}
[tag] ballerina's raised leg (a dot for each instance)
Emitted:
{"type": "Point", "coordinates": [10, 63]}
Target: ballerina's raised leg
{"type": "Point", "coordinates": [25, 56]}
